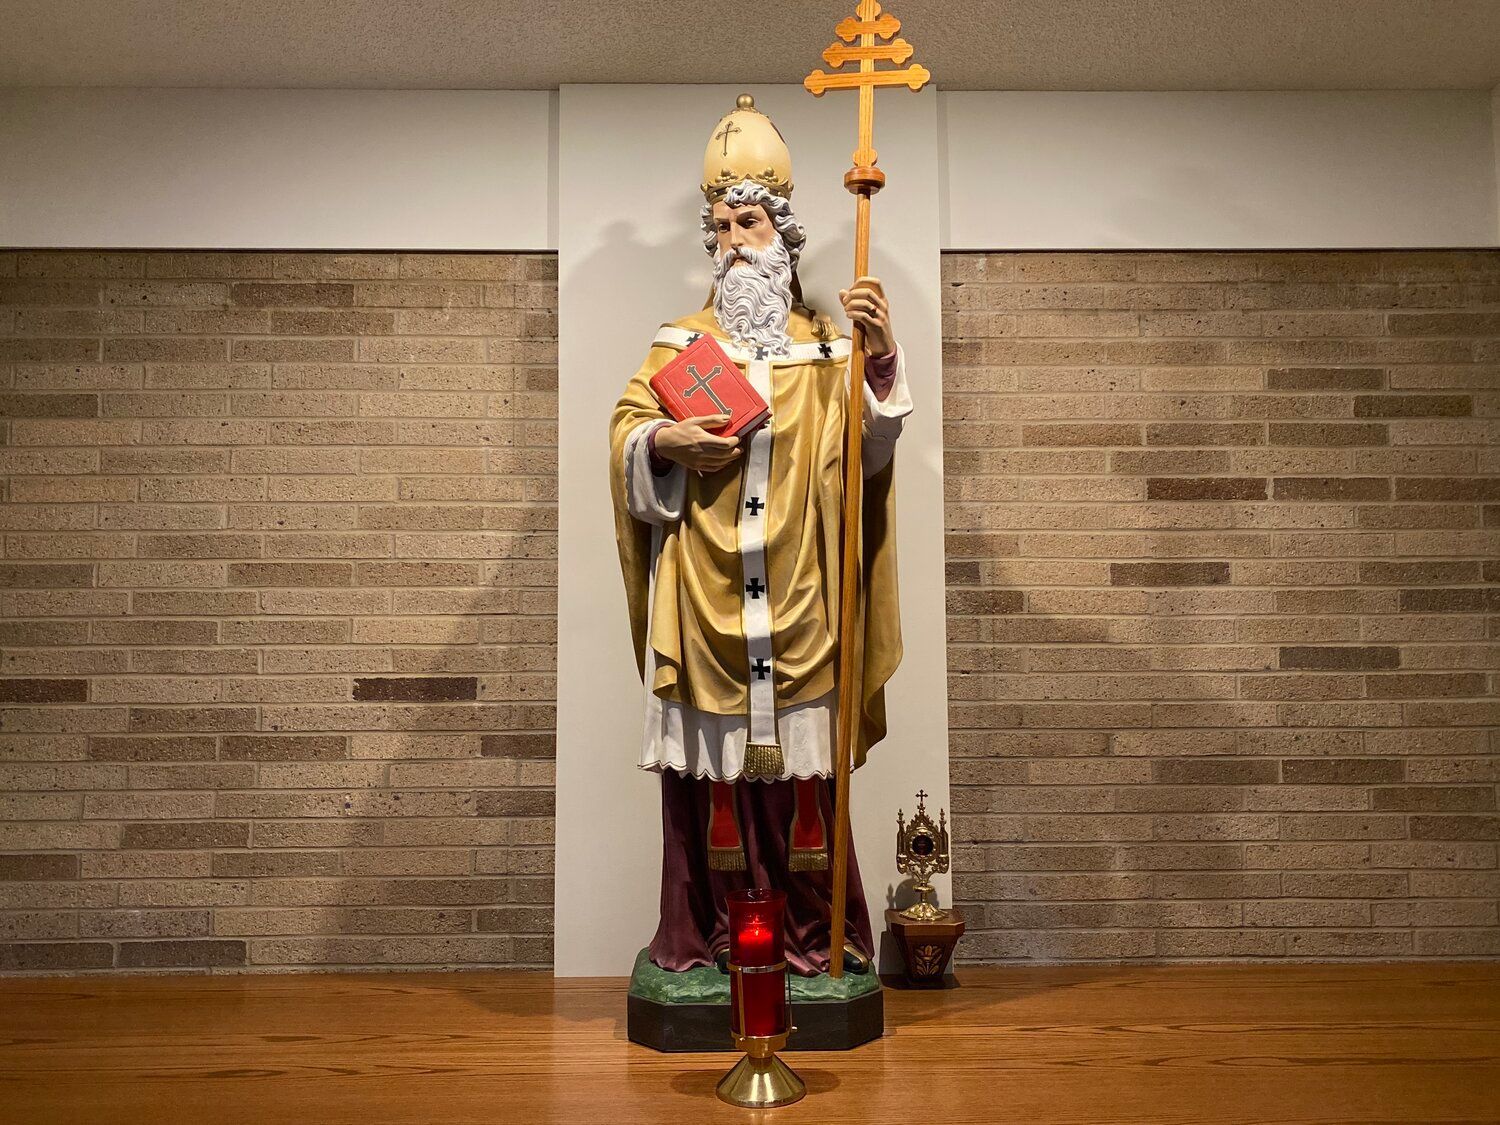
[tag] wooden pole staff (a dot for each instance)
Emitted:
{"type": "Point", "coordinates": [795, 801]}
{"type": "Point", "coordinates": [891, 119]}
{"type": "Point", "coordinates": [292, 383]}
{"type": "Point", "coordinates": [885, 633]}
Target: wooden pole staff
{"type": "Point", "coordinates": [864, 179]}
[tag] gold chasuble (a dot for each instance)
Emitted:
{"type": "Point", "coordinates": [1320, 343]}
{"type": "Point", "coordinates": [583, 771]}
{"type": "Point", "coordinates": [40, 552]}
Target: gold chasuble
{"type": "Point", "coordinates": [743, 612]}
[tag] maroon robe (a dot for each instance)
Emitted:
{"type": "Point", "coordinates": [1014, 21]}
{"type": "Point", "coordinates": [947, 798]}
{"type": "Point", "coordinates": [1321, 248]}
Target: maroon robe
{"type": "Point", "coordinates": [694, 921]}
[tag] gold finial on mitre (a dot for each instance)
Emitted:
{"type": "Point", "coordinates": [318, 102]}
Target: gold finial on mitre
{"type": "Point", "coordinates": [745, 145]}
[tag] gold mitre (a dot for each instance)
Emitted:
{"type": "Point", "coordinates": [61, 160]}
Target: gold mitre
{"type": "Point", "coordinates": [745, 145]}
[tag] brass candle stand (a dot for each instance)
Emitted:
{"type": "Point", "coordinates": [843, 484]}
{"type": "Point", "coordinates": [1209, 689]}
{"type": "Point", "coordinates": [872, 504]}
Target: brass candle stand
{"type": "Point", "coordinates": [760, 1080]}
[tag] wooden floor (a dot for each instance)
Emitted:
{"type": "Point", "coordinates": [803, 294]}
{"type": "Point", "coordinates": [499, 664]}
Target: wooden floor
{"type": "Point", "coordinates": [1118, 1045]}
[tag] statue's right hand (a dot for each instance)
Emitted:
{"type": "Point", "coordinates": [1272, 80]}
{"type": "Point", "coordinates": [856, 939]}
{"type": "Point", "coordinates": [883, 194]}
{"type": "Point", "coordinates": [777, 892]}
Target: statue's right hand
{"type": "Point", "coordinates": [689, 443]}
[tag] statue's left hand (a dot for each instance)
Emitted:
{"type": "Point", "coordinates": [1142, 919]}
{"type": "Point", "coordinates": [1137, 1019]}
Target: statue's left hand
{"type": "Point", "coordinates": [865, 304]}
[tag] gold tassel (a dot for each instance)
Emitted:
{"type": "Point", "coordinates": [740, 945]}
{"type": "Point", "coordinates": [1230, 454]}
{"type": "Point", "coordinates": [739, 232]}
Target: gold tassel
{"type": "Point", "coordinates": [726, 859]}
{"type": "Point", "coordinates": [763, 760]}
{"type": "Point", "coordinates": [807, 859]}
{"type": "Point", "coordinates": [823, 327]}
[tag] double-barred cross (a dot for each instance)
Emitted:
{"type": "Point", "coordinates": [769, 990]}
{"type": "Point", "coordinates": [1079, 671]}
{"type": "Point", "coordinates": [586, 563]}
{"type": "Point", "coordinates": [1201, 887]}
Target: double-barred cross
{"type": "Point", "coordinates": [867, 25]}
{"type": "Point", "coordinates": [863, 180]}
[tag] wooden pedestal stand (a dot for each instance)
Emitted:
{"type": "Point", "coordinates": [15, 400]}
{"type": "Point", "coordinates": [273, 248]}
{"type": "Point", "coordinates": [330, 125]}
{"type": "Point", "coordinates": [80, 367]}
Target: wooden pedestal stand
{"type": "Point", "coordinates": [926, 947]}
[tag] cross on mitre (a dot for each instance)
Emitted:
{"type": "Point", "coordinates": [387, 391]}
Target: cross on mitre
{"type": "Point", "coordinates": [724, 134]}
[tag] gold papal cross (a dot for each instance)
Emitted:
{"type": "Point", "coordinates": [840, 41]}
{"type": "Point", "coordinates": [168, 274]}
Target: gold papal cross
{"type": "Point", "coordinates": [863, 180]}
{"type": "Point", "coordinates": [868, 25]}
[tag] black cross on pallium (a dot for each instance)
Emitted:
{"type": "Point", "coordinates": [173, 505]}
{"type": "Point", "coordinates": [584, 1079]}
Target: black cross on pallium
{"type": "Point", "coordinates": [761, 667]}
{"type": "Point", "coordinates": [701, 383]}
{"type": "Point", "coordinates": [754, 589]}
{"type": "Point", "coordinates": [755, 504]}
{"type": "Point", "coordinates": [825, 351]}
{"type": "Point", "coordinates": [694, 337]}
{"type": "Point", "coordinates": [760, 353]}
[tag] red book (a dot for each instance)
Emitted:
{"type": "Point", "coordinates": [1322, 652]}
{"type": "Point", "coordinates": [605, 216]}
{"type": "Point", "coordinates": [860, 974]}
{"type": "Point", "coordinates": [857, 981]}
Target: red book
{"type": "Point", "coordinates": [703, 380]}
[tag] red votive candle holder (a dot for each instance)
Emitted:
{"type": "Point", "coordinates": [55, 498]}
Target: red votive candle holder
{"type": "Point", "coordinates": [757, 955]}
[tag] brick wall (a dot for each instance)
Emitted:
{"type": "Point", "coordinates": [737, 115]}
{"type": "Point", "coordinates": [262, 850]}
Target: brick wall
{"type": "Point", "coordinates": [277, 637]}
{"type": "Point", "coordinates": [1222, 548]}
{"type": "Point", "coordinates": [276, 663]}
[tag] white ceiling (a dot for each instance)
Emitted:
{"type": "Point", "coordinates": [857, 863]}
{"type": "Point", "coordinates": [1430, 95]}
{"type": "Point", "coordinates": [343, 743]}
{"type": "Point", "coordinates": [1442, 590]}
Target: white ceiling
{"type": "Point", "coordinates": [540, 44]}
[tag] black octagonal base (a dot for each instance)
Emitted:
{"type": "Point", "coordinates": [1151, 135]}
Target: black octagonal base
{"type": "Point", "coordinates": [822, 1025]}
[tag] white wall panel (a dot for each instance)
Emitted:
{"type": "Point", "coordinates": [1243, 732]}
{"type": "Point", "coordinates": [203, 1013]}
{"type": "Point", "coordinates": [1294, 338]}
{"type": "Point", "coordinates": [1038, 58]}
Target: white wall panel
{"type": "Point", "coordinates": [276, 169]}
{"type": "Point", "coordinates": [476, 170]}
{"type": "Point", "coordinates": [1219, 170]}
{"type": "Point", "coordinates": [1495, 152]}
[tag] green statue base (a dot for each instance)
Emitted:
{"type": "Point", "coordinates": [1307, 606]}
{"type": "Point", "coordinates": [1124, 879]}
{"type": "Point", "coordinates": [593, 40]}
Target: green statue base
{"type": "Point", "coordinates": [689, 1011]}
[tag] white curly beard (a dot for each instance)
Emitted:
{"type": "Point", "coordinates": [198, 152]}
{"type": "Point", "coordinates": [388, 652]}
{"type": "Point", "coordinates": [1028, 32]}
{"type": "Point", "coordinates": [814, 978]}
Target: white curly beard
{"type": "Point", "coordinates": [753, 301]}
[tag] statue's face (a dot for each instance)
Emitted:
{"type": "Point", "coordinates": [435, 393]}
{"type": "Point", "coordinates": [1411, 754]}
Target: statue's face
{"type": "Point", "coordinates": [743, 226]}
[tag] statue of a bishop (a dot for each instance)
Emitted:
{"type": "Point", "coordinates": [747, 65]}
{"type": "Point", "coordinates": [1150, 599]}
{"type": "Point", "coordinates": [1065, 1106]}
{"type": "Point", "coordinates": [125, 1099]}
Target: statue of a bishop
{"type": "Point", "coordinates": [730, 552]}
